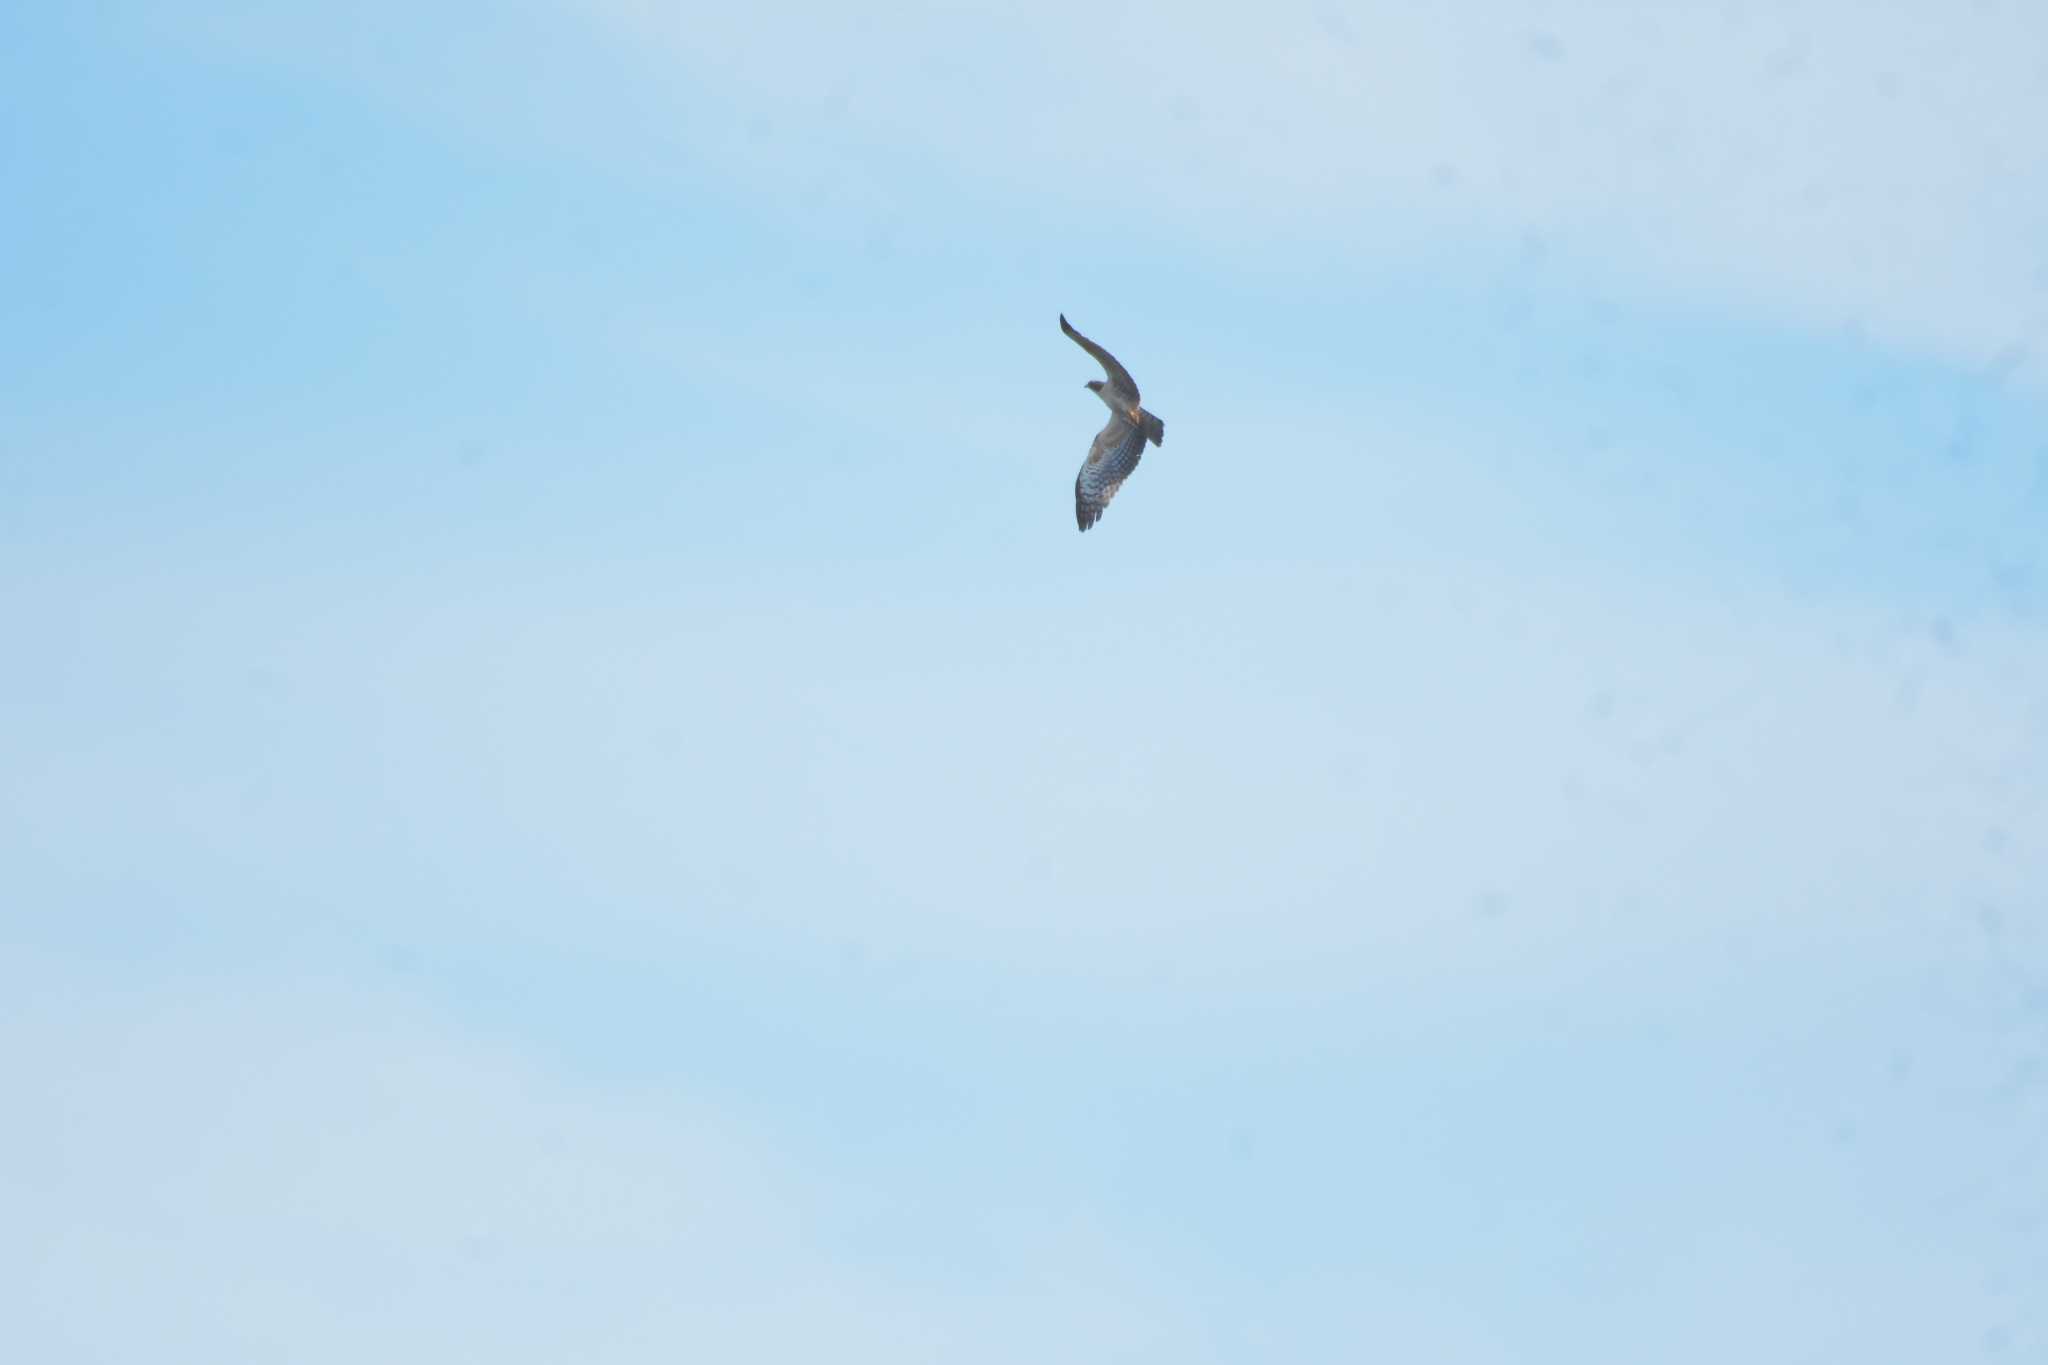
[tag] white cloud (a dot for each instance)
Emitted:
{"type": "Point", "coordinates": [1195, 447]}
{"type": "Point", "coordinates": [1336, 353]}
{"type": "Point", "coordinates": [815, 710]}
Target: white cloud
{"type": "Point", "coordinates": [1253, 777]}
{"type": "Point", "coordinates": [210, 1168]}
{"type": "Point", "coordinates": [1824, 163]}
{"type": "Point", "coordinates": [213, 1170]}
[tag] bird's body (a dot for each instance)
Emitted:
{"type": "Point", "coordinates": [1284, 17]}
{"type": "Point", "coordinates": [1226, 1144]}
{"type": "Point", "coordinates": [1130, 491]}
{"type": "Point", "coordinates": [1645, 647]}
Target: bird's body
{"type": "Point", "coordinates": [1118, 445]}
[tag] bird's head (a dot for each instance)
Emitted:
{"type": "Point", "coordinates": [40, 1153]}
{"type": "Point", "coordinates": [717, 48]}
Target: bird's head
{"type": "Point", "coordinates": [1094, 386]}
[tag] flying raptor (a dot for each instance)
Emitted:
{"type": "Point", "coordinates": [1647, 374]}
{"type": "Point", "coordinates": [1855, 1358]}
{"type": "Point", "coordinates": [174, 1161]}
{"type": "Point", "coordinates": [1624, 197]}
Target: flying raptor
{"type": "Point", "coordinates": [1118, 445]}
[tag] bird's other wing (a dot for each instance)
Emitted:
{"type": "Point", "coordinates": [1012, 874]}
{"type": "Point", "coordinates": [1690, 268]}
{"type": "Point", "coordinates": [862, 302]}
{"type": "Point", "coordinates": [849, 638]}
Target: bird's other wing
{"type": "Point", "coordinates": [1119, 377]}
{"type": "Point", "coordinates": [1110, 461]}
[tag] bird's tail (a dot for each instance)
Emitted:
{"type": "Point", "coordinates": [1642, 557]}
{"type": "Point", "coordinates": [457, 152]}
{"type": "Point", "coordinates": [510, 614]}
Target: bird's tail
{"type": "Point", "coordinates": [1155, 430]}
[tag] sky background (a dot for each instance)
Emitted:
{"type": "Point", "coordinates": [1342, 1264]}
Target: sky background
{"type": "Point", "coordinates": [568, 790]}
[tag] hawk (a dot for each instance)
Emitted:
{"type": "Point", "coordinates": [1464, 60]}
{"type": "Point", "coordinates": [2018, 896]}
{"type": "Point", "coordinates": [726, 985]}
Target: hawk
{"type": "Point", "coordinates": [1118, 445]}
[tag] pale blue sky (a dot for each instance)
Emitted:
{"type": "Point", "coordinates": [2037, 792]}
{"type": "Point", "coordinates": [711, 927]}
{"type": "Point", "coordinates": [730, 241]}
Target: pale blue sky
{"type": "Point", "coordinates": [571, 792]}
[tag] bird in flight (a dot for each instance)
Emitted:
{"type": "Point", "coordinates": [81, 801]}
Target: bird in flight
{"type": "Point", "coordinates": [1118, 445]}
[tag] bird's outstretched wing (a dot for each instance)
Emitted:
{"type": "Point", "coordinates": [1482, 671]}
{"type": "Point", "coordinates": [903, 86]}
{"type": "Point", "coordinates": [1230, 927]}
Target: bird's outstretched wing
{"type": "Point", "coordinates": [1110, 461]}
{"type": "Point", "coordinates": [1119, 377]}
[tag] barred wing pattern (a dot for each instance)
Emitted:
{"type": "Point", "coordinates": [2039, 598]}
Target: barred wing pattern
{"type": "Point", "coordinates": [1110, 461]}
